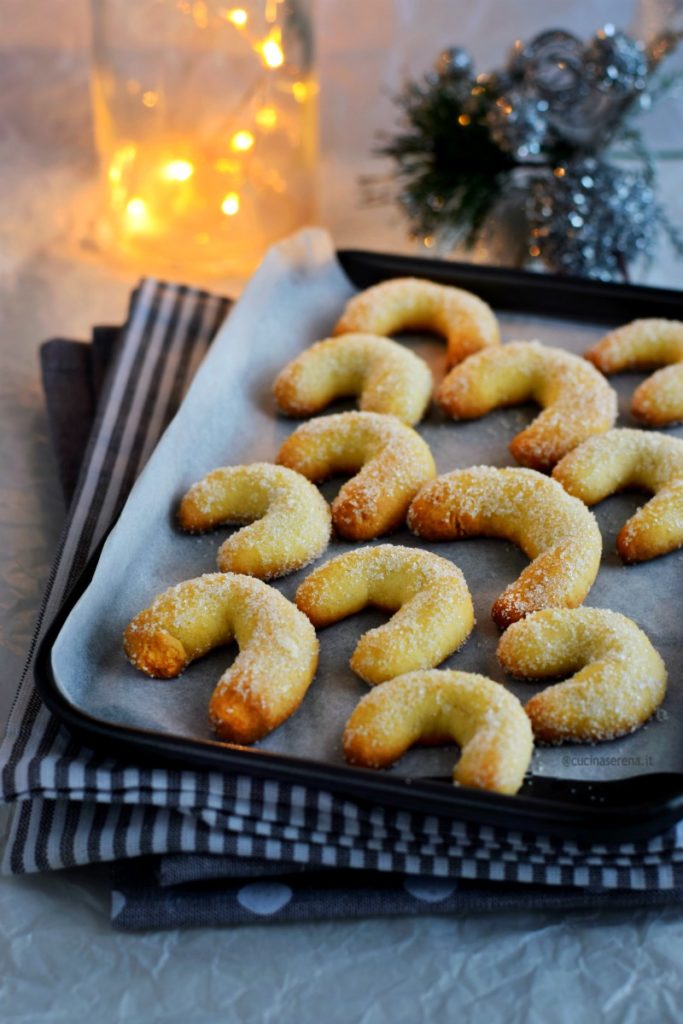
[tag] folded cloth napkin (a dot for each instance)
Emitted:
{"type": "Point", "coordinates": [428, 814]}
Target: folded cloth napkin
{"type": "Point", "coordinates": [75, 806]}
{"type": "Point", "coordinates": [155, 893]}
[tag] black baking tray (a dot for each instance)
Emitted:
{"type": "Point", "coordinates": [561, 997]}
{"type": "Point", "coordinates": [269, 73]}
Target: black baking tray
{"type": "Point", "coordinates": [609, 811]}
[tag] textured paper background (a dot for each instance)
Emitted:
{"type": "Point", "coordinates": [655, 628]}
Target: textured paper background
{"type": "Point", "coordinates": [228, 417]}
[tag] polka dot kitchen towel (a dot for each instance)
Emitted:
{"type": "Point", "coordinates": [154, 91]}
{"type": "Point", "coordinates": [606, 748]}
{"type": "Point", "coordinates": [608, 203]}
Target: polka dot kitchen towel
{"type": "Point", "coordinates": [197, 847]}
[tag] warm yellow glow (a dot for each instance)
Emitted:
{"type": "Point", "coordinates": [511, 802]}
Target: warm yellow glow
{"type": "Point", "coordinates": [464, 120]}
{"type": "Point", "coordinates": [122, 157]}
{"type": "Point", "coordinates": [274, 180]}
{"type": "Point", "coordinates": [137, 212]}
{"type": "Point", "coordinates": [178, 170]}
{"type": "Point", "coordinates": [237, 16]}
{"type": "Point", "coordinates": [227, 166]}
{"type": "Point", "coordinates": [231, 204]}
{"type": "Point", "coordinates": [200, 14]}
{"type": "Point", "coordinates": [150, 98]}
{"type": "Point", "coordinates": [266, 117]}
{"type": "Point", "coordinates": [302, 90]}
{"type": "Point", "coordinates": [241, 141]}
{"type": "Point", "coordinates": [271, 10]}
{"type": "Point", "coordinates": [271, 50]}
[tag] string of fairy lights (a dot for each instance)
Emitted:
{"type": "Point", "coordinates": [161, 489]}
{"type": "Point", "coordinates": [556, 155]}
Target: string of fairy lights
{"type": "Point", "coordinates": [258, 110]}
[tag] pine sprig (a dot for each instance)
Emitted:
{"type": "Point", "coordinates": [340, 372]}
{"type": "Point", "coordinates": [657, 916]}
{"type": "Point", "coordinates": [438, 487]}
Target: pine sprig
{"type": "Point", "coordinates": [448, 167]}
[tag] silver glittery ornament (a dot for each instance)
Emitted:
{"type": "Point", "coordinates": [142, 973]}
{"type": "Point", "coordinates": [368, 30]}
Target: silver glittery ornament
{"type": "Point", "coordinates": [552, 64]}
{"type": "Point", "coordinates": [616, 63]}
{"type": "Point", "coordinates": [518, 123]}
{"type": "Point", "coordinates": [592, 219]}
{"type": "Point", "coordinates": [586, 87]}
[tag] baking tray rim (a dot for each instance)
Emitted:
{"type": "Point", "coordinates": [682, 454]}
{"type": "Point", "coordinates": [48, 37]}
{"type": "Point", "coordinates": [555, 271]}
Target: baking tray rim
{"type": "Point", "coordinates": [617, 810]}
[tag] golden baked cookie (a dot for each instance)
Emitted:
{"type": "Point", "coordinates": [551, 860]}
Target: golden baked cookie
{"type": "Point", "coordinates": [436, 707]}
{"type": "Point", "coordinates": [632, 458]}
{"type": "Point", "coordinates": [577, 401]}
{"type": "Point", "coordinates": [278, 649]}
{"type": "Point", "coordinates": [642, 345]}
{"type": "Point", "coordinates": [556, 531]}
{"type": "Point", "coordinates": [390, 460]}
{"type": "Point", "coordinates": [429, 595]}
{"type": "Point", "coordinates": [617, 678]}
{"type": "Point", "coordinates": [386, 377]}
{"type": "Point", "coordinates": [413, 304]}
{"type": "Point", "coordinates": [289, 520]}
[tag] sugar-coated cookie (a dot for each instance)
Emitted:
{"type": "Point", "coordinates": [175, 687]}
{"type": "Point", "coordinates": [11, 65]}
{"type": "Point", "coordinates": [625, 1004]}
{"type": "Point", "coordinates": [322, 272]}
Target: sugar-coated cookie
{"type": "Point", "coordinates": [556, 531]}
{"type": "Point", "coordinates": [289, 520]}
{"type": "Point", "coordinates": [390, 460]}
{"type": "Point", "coordinates": [428, 594]}
{"type": "Point", "coordinates": [616, 678]}
{"type": "Point", "coordinates": [642, 345]}
{"type": "Point", "coordinates": [278, 649]}
{"type": "Point", "coordinates": [436, 707]}
{"type": "Point", "coordinates": [386, 377]}
{"type": "Point", "coordinates": [632, 458]}
{"type": "Point", "coordinates": [577, 400]}
{"type": "Point", "coordinates": [413, 304]}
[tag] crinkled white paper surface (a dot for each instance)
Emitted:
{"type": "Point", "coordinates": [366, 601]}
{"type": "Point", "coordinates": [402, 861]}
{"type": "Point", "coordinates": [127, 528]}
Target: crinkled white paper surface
{"type": "Point", "coordinates": [62, 964]}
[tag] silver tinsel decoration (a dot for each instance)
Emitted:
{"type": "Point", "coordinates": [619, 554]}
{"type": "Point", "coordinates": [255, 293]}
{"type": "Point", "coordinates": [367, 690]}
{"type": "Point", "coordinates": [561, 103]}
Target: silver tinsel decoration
{"type": "Point", "coordinates": [563, 91]}
{"type": "Point", "coordinates": [591, 219]}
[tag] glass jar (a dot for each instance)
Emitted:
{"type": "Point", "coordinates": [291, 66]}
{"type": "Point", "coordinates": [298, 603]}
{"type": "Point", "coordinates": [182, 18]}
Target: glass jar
{"type": "Point", "coordinates": [205, 122]}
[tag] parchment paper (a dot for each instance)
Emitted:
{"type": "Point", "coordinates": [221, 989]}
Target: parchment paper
{"type": "Point", "coordinates": [228, 417]}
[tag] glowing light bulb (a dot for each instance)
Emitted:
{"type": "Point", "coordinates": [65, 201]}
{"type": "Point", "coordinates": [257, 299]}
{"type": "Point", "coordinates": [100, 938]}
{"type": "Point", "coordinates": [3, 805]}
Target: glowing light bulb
{"type": "Point", "coordinates": [231, 204]}
{"type": "Point", "coordinates": [241, 141]}
{"type": "Point", "coordinates": [266, 117]}
{"type": "Point", "coordinates": [150, 98]}
{"type": "Point", "coordinates": [271, 51]}
{"type": "Point", "coordinates": [237, 16]}
{"type": "Point", "coordinates": [120, 163]}
{"type": "Point", "coordinates": [302, 90]}
{"type": "Point", "coordinates": [136, 210]}
{"type": "Point", "coordinates": [178, 170]}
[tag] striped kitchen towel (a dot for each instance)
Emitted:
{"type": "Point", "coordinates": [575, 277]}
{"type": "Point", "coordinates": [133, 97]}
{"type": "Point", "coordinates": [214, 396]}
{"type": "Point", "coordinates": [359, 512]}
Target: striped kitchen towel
{"type": "Point", "coordinates": [75, 806]}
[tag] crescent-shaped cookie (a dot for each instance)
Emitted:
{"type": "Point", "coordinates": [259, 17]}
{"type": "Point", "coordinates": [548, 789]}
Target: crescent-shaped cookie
{"type": "Point", "coordinates": [556, 531]}
{"type": "Point", "coordinates": [632, 458]}
{"type": "Point", "coordinates": [617, 678]}
{"type": "Point", "coordinates": [289, 520]}
{"type": "Point", "coordinates": [412, 304]}
{"type": "Point", "coordinates": [642, 345]}
{"type": "Point", "coordinates": [577, 401]}
{"type": "Point", "coordinates": [390, 460]}
{"type": "Point", "coordinates": [386, 377]}
{"type": "Point", "coordinates": [278, 649]}
{"type": "Point", "coordinates": [481, 716]}
{"type": "Point", "coordinates": [429, 596]}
